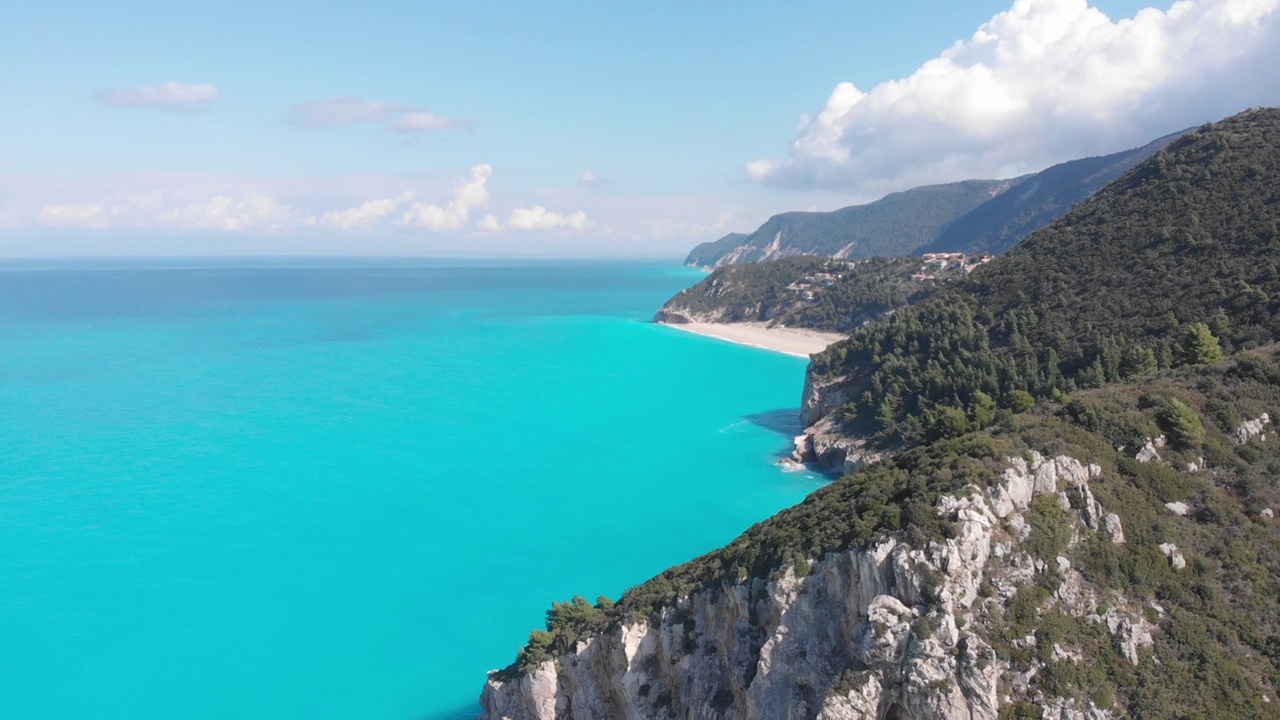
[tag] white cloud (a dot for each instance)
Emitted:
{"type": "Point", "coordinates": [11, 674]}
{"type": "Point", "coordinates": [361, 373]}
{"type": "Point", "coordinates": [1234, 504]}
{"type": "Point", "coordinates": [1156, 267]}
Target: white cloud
{"type": "Point", "coordinates": [170, 95]}
{"type": "Point", "coordinates": [367, 213]}
{"type": "Point", "coordinates": [489, 224]}
{"type": "Point", "coordinates": [162, 213]}
{"type": "Point", "coordinates": [225, 212]}
{"type": "Point", "coordinates": [205, 207]}
{"type": "Point", "coordinates": [1046, 81]}
{"type": "Point", "coordinates": [73, 215]}
{"type": "Point", "coordinates": [540, 218]}
{"type": "Point", "coordinates": [472, 194]}
{"type": "Point", "coordinates": [347, 110]}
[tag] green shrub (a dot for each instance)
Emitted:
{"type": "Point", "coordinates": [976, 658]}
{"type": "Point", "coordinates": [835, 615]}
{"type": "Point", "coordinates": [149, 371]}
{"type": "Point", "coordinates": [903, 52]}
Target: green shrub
{"type": "Point", "coordinates": [1019, 400]}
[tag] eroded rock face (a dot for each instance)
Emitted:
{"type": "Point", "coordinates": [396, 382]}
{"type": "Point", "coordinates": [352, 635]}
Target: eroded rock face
{"type": "Point", "coordinates": [821, 397]}
{"type": "Point", "coordinates": [886, 631]}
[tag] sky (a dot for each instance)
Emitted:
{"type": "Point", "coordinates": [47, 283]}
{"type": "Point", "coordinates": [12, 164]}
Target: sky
{"type": "Point", "coordinates": [558, 128]}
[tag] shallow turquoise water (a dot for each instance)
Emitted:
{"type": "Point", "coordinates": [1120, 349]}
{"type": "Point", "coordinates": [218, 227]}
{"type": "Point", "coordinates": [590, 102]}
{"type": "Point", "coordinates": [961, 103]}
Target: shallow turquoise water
{"type": "Point", "coordinates": [348, 490]}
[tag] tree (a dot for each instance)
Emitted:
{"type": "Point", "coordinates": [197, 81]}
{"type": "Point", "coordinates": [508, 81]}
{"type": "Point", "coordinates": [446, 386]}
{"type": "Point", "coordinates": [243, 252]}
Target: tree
{"type": "Point", "coordinates": [947, 421]}
{"type": "Point", "coordinates": [1020, 400]}
{"type": "Point", "coordinates": [1138, 360]}
{"type": "Point", "coordinates": [1182, 422]}
{"type": "Point", "coordinates": [982, 410]}
{"type": "Point", "coordinates": [1199, 346]}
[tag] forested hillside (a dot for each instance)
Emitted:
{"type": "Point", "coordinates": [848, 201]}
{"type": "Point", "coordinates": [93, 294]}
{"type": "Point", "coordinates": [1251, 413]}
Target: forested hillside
{"type": "Point", "coordinates": [897, 224]}
{"type": "Point", "coordinates": [1004, 220]}
{"type": "Point", "coordinates": [973, 217]}
{"type": "Point", "coordinates": [1074, 517]}
{"type": "Point", "coordinates": [811, 292]}
{"type": "Point", "coordinates": [1175, 262]}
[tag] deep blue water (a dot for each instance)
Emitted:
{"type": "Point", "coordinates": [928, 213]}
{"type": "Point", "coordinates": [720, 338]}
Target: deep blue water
{"type": "Point", "coordinates": [346, 489]}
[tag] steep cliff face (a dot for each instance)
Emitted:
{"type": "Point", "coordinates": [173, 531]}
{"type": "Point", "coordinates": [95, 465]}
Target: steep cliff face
{"type": "Point", "coordinates": [882, 632]}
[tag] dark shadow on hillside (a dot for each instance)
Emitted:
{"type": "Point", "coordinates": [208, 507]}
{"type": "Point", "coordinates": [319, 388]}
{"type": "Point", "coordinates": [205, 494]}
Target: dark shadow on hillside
{"type": "Point", "coordinates": [784, 422]}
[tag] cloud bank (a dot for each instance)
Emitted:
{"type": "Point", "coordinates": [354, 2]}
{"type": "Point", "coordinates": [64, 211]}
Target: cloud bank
{"type": "Point", "coordinates": [200, 203]}
{"type": "Point", "coordinates": [1045, 82]}
{"type": "Point", "coordinates": [170, 95]}
{"type": "Point", "coordinates": [347, 110]}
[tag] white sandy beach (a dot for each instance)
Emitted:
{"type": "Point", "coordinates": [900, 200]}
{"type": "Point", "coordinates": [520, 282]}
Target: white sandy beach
{"type": "Point", "coordinates": [792, 341]}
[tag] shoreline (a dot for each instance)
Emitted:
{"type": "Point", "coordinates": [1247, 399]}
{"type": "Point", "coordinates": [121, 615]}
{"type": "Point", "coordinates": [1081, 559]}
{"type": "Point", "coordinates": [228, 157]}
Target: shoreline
{"type": "Point", "coordinates": [796, 342]}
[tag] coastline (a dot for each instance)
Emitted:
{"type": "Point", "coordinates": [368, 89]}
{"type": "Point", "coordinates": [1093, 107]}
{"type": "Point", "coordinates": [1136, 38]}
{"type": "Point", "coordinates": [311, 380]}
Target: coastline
{"type": "Point", "coordinates": [796, 342]}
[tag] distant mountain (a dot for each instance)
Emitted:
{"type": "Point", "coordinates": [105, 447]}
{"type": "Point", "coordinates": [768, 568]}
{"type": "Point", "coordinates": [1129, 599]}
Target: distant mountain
{"type": "Point", "coordinates": [896, 224]}
{"type": "Point", "coordinates": [974, 216]}
{"type": "Point", "coordinates": [1004, 220]}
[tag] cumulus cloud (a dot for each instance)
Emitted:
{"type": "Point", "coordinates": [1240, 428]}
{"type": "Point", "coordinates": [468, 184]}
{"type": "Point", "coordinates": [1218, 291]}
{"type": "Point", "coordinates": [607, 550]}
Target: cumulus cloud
{"type": "Point", "coordinates": [170, 95]}
{"type": "Point", "coordinates": [347, 110]}
{"type": "Point", "coordinates": [469, 195]}
{"type": "Point", "coordinates": [489, 224]}
{"type": "Point", "coordinates": [540, 218]}
{"type": "Point", "coordinates": [1046, 81]}
{"type": "Point", "coordinates": [365, 214]}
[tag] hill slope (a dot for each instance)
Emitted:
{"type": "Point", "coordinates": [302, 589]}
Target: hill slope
{"type": "Point", "coordinates": [811, 292]}
{"type": "Point", "coordinates": [1185, 241]}
{"type": "Point", "coordinates": [896, 224]}
{"type": "Point", "coordinates": [977, 216]}
{"type": "Point", "coordinates": [1004, 220]}
{"type": "Point", "coordinates": [1076, 519]}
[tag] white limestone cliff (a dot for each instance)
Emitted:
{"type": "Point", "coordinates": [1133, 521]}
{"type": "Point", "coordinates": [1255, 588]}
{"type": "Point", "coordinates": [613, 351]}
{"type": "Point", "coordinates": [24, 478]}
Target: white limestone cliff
{"type": "Point", "coordinates": [885, 631]}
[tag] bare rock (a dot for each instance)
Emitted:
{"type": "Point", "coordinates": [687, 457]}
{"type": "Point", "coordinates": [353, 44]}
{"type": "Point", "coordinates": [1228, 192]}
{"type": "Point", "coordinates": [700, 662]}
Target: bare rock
{"type": "Point", "coordinates": [1175, 557]}
{"type": "Point", "coordinates": [1250, 429]}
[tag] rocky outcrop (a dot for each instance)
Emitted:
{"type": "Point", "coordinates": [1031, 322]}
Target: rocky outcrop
{"type": "Point", "coordinates": [675, 315]}
{"type": "Point", "coordinates": [1249, 429]}
{"type": "Point", "coordinates": [885, 631]}
{"type": "Point", "coordinates": [825, 443]}
{"type": "Point", "coordinates": [1150, 452]}
{"type": "Point", "coordinates": [1175, 556]}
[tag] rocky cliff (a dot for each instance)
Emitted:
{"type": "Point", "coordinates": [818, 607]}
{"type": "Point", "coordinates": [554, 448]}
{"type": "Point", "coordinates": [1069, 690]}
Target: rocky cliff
{"type": "Point", "coordinates": [885, 631]}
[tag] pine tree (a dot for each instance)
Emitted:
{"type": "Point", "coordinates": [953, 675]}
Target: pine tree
{"type": "Point", "coordinates": [1199, 346]}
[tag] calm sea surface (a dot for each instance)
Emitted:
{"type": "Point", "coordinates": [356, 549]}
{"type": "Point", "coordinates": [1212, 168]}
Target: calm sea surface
{"type": "Point", "coordinates": [343, 489]}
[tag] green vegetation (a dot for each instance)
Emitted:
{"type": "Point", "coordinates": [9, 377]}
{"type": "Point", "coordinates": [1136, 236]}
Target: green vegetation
{"type": "Point", "coordinates": [1218, 643]}
{"type": "Point", "coordinates": [1004, 220]}
{"type": "Point", "coordinates": [897, 224]}
{"type": "Point", "coordinates": [977, 216]}
{"type": "Point", "coordinates": [768, 292]}
{"type": "Point", "coordinates": [1152, 308]}
{"type": "Point", "coordinates": [567, 623]}
{"type": "Point", "coordinates": [1172, 264]}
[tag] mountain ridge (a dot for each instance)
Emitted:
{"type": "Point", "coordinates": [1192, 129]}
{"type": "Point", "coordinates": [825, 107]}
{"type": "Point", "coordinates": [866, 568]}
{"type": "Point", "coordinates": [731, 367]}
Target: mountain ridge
{"type": "Point", "coordinates": [972, 216]}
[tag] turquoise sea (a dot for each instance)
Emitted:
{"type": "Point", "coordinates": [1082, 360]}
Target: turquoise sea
{"type": "Point", "coordinates": [346, 489]}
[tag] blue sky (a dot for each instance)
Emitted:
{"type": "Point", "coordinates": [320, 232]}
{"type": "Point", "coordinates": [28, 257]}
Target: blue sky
{"type": "Point", "coordinates": [601, 128]}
